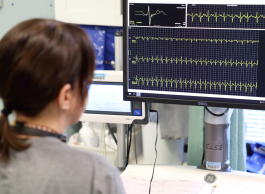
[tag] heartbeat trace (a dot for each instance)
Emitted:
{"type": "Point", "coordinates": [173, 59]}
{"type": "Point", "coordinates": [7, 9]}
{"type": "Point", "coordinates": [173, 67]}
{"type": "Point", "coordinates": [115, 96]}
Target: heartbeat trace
{"type": "Point", "coordinates": [148, 14]}
{"type": "Point", "coordinates": [196, 40]}
{"type": "Point", "coordinates": [228, 85]}
{"type": "Point", "coordinates": [224, 16]}
{"type": "Point", "coordinates": [196, 61]}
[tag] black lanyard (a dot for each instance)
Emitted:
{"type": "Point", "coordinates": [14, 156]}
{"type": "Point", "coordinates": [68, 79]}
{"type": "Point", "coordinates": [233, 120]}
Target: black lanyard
{"type": "Point", "coordinates": [22, 129]}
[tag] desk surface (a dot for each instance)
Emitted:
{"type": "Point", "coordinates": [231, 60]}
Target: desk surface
{"type": "Point", "coordinates": [167, 172]}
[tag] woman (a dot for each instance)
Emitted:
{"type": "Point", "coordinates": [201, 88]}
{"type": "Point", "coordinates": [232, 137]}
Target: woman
{"type": "Point", "coordinates": [45, 70]}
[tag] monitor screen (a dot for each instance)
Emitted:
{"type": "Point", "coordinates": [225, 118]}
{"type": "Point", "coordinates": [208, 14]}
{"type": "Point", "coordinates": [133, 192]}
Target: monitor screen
{"type": "Point", "coordinates": [195, 53]}
{"type": "Point", "coordinates": [106, 97]}
{"type": "Point", "coordinates": [106, 105]}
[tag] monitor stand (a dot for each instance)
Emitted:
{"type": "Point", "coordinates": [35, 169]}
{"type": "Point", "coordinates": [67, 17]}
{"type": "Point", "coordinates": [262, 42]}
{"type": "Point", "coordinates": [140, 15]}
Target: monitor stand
{"type": "Point", "coordinates": [121, 157]}
{"type": "Point", "coordinates": [121, 147]}
{"type": "Point", "coordinates": [216, 124]}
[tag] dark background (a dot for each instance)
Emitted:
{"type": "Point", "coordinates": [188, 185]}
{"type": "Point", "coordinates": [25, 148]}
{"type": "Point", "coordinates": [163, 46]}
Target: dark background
{"type": "Point", "coordinates": [173, 16]}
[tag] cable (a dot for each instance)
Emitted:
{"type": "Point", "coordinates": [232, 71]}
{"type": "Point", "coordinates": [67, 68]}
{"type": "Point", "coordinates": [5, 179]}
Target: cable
{"type": "Point", "coordinates": [129, 142]}
{"type": "Point", "coordinates": [127, 146]}
{"type": "Point", "coordinates": [104, 139]}
{"type": "Point", "coordinates": [155, 150]}
{"type": "Point", "coordinates": [135, 145]}
{"type": "Point", "coordinates": [217, 115]}
{"type": "Point", "coordinates": [202, 156]}
{"type": "Point", "coordinates": [100, 144]}
{"type": "Point", "coordinates": [111, 132]}
{"type": "Point", "coordinates": [100, 139]}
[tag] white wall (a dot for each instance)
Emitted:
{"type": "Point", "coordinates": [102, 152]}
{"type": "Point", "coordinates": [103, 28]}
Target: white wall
{"type": "Point", "coordinates": [14, 11]}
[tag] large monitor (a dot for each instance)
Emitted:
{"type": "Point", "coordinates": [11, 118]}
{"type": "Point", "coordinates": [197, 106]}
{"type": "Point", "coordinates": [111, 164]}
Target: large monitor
{"type": "Point", "coordinates": [195, 52]}
{"type": "Point", "coordinates": [105, 101]}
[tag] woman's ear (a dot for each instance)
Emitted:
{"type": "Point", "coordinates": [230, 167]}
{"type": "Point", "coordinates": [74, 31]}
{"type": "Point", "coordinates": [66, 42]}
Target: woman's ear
{"type": "Point", "coordinates": [64, 97]}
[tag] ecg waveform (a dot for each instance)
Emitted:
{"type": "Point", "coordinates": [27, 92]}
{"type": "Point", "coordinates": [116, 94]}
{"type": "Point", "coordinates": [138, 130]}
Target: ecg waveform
{"type": "Point", "coordinates": [142, 14]}
{"type": "Point", "coordinates": [149, 14]}
{"type": "Point", "coordinates": [195, 40]}
{"type": "Point", "coordinates": [185, 60]}
{"type": "Point", "coordinates": [226, 16]}
{"type": "Point", "coordinates": [197, 84]}
{"type": "Point", "coordinates": [211, 61]}
{"type": "Point", "coordinates": [239, 16]}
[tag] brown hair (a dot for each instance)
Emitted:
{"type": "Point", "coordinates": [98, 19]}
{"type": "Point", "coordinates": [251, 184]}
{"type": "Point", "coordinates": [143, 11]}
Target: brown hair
{"type": "Point", "coordinates": [38, 57]}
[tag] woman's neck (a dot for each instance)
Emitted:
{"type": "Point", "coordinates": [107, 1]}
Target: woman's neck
{"type": "Point", "coordinates": [49, 121]}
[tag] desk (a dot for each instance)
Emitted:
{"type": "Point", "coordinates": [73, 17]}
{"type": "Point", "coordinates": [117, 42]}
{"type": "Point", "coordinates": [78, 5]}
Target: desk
{"type": "Point", "coordinates": [167, 172]}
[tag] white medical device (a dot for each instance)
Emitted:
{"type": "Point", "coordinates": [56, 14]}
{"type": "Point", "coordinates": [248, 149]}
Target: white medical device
{"type": "Point", "coordinates": [106, 104]}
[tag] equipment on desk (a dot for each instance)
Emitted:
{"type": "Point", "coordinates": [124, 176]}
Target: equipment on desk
{"type": "Point", "coordinates": [170, 152]}
{"type": "Point", "coordinates": [106, 102]}
{"type": "Point", "coordinates": [256, 162]}
{"type": "Point", "coordinates": [95, 137]}
{"type": "Point", "coordinates": [106, 105]}
{"type": "Point", "coordinates": [191, 54]}
{"type": "Point", "coordinates": [216, 139]}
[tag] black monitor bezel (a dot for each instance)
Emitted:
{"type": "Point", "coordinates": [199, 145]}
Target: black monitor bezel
{"type": "Point", "coordinates": [168, 100]}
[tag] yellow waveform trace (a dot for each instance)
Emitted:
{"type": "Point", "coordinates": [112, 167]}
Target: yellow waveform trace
{"type": "Point", "coordinates": [196, 40]}
{"type": "Point", "coordinates": [185, 60]}
{"type": "Point", "coordinates": [240, 16]}
{"type": "Point", "coordinates": [149, 14]}
{"type": "Point", "coordinates": [197, 84]}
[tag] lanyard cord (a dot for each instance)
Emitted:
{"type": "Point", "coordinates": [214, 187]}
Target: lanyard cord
{"type": "Point", "coordinates": [21, 128]}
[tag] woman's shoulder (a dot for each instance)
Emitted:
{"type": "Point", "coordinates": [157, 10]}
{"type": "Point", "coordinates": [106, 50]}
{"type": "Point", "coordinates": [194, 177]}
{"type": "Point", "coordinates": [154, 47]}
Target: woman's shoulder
{"type": "Point", "coordinates": [84, 166]}
{"type": "Point", "coordinates": [59, 151]}
{"type": "Point", "coordinates": [72, 170]}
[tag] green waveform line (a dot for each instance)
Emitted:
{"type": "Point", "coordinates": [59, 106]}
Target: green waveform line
{"type": "Point", "coordinates": [195, 61]}
{"type": "Point", "coordinates": [224, 16]}
{"type": "Point", "coordinates": [213, 85]}
{"type": "Point", "coordinates": [196, 40]}
{"type": "Point", "coordinates": [148, 14]}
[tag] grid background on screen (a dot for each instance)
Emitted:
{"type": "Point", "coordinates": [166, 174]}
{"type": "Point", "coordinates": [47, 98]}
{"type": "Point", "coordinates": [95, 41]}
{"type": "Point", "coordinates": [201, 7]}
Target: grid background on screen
{"type": "Point", "coordinates": [226, 16]}
{"type": "Point", "coordinates": [211, 61]}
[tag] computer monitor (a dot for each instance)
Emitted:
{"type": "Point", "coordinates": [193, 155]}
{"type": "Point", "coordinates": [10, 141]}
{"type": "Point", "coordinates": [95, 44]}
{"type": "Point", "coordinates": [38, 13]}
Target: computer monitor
{"type": "Point", "coordinates": [106, 104]}
{"type": "Point", "coordinates": [195, 52]}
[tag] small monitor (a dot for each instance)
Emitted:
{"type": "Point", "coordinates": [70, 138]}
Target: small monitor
{"type": "Point", "coordinates": [108, 98]}
{"type": "Point", "coordinates": [106, 104]}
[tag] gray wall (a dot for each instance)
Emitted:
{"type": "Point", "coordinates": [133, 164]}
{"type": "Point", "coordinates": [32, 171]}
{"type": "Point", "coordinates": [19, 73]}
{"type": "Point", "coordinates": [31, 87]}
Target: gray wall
{"type": "Point", "coordinates": [14, 11]}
